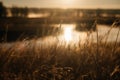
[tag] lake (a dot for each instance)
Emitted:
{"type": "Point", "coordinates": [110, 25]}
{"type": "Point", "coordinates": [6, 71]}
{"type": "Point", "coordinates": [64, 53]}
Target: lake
{"type": "Point", "coordinates": [69, 36]}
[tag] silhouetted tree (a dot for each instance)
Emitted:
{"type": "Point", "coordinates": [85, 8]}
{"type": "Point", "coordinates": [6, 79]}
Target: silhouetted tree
{"type": "Point", "coordinates": [15, 11]}
{"type": "Point", "coordinates": [3, 12]}
{"type": "Point", "coordinates": [24, 12]}
{"type": "Point", "coordinates": [19, 12]}
{"type": "Point", "coordinates": [98, 12]}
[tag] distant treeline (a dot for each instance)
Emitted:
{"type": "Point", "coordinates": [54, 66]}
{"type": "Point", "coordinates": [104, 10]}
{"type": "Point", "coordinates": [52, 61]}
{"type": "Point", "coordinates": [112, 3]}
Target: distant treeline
{"type": "Point", "coordinates": [19, 12]}
{"type": "Point", "coordinates": [57, 12]}
{"type": "Point", "coordinates": [15, 11]}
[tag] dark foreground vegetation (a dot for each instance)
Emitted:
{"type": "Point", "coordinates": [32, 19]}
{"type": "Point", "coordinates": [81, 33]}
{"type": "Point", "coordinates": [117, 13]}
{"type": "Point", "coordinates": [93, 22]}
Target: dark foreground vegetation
{"type": "Point", "coordinates": [29, 60]}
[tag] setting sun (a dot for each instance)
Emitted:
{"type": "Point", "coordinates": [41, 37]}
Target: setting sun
{"type": "Point", "coordinates": [67, 1]}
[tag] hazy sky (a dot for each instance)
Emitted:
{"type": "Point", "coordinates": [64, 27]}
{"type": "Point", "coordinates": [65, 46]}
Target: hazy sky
{"type": "Point", "coordinates": [64, 3]}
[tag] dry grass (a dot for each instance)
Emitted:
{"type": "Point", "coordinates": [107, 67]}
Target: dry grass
{"type": "Point", "coordinates": [89, 61]}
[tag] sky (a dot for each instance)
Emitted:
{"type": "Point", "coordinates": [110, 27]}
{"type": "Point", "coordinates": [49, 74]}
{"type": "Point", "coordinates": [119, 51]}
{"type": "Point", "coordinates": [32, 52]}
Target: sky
{"type": "Point", "coordinates": [107, 4]}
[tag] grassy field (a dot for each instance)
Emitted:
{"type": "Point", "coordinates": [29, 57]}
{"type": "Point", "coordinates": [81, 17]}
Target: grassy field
{"type": "Point", "coordinates": [28, 60]}
{"type": "Point", "coordinates": [89, 61]}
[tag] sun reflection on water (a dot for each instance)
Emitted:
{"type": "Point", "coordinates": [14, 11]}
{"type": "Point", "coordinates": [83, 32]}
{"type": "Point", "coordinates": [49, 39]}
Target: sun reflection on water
{"type": "Point", "coordinates": [68, 34]}
{"type": "Point", "coordinates": [68, 31]}
{"type": "Point", "coordinates": [70, 37]}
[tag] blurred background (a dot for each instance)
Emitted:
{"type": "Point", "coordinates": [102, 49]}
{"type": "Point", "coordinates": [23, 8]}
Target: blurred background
{"type": "Point", "coordinates": [28, 18]}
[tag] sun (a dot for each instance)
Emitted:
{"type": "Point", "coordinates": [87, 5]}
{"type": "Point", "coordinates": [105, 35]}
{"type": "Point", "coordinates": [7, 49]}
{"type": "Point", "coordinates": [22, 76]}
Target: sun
{"type": "Point", "coordinates": [67, 3]}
